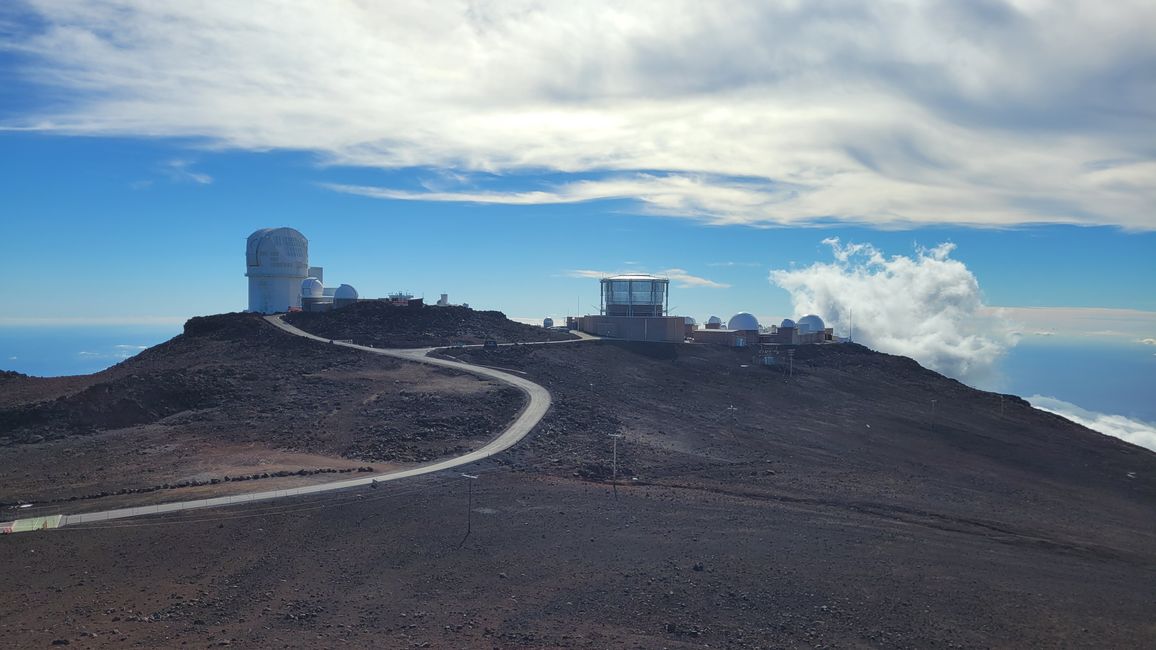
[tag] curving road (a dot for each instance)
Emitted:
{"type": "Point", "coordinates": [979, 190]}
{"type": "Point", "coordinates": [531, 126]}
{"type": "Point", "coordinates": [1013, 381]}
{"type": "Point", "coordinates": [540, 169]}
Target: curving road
{"type": "Point", "coordinates": [531, 414]}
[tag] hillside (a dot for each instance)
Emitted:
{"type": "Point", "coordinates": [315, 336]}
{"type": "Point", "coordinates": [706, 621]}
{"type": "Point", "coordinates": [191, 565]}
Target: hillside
{"type": "Point", "coordinates": [825, 509]}
{"type": "Point", "coordinates": [383, 325]}
{"type": "Point", "coordinates": [233, 395]}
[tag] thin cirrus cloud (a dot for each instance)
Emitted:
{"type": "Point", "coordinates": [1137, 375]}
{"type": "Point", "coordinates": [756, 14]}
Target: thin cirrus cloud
{"type": "Point", "coordinates": [680, 277]}
{"type": "Point", "coordinates": [903, 113]}
{"type": "Point", "coordinates": [181, 171]}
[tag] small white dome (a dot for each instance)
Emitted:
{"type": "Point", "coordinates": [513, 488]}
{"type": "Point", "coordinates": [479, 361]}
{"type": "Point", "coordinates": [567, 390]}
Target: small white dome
{"type": "Point", "coordinates": [345, 292]}
{"type": "Point", "coordinates": [690, 321]}
{"type": "Point", "coordinates": [743, 321]}
{"type": "Point", "coordinates": [811, 323]}
{"type": "Point", "coordinates": [714, 320]}
{"type": "Point", "coordinates": [312, 288]}
{"type": "Point", "coordinates": [787, 324]}
{"type": "Point", "coordinates": [548, 322]}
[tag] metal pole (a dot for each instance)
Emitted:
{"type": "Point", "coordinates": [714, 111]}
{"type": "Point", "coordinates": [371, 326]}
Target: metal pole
{"type": "Point", "coordinates": [614, 464]}
{"type": "Point", "coordinates": [733, 409]}
{"type": "Point", "coordinates": [469, 507]}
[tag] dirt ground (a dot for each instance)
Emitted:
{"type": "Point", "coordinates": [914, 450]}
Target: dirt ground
{"type": "Point", "coordinates": [786, 522]}
{"type": "Point", "coordinates": [233, 398]}
{"type": "Point", "coordinates": [383, 325]}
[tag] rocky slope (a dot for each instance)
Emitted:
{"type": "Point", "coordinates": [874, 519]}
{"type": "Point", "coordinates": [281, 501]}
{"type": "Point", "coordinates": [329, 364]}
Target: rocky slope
{"type": "Point", "coordinates": [233, 394]}
{"type": "Point", "coordinates": [384, 325]}
{"type": "Point", "coordinates": [753, 509]}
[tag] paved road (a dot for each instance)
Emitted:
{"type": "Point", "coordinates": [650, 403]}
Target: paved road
{"type": "Point", "coordinates": [535, 409]}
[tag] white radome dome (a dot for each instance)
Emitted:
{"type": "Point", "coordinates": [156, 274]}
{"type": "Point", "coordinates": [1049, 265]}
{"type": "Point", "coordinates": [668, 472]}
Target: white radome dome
{"type": "Point", "coordinates": [312, 288]}
{"type": "Point", "coordinates": [787, 324]}
{"type": "Point", "coordinates": [547, 322]}
{"type": "Point", "coordinates": [811, 323]}
{"type": "Point", "coordinates": [345, 292]}
{"type": "Point", "coordinates": [691, 321]}
{"type": "Point", "coordinates": [743, 321]}
{"type": "Point", "coordinates": [714, 320]}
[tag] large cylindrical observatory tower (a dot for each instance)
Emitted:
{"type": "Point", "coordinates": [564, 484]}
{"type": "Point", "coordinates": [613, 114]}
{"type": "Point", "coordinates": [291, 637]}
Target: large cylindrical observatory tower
{"type": "Point", "coordinates": [634, 295]}
{"type": "Point", "coordinates": [277, 262]}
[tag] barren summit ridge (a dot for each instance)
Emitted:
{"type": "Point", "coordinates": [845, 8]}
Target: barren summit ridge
{"type": "Point", "coordinates": [753, 510]}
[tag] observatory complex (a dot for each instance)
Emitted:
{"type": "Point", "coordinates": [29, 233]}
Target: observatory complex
{"type": "Point", "coordinates": [277, 262]}
{"type": "Point", "coordinates": [280, 278]}
{"type": "Point", "coordinates": [634, 307]}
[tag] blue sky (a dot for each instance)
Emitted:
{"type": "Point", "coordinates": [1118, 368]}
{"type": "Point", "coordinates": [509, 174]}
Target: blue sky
{"type": "Point", "coordinates": [506, 153]}
{"type": "Point", "coordinates": [107, 227]}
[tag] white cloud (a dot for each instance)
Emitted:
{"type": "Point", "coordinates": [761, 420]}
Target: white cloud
{"type": "Point", "coordinates": [741, 112]}
{"type": "Point", "coordinates": [587, 273]}
{"type": "Point", "coordinates": [179, 170]}
{"type": "Point", "coordinates": [1136, 432]}
{"type": "Point", "coordinates": [1079, 321]}
{"type": "Point", "coordinates": [735, 264]}
{"type": "Point", "coordinates": [52, 321]}
{"type": "Point", "coordinates": [927, 306]}
{"type": "Point", "coordinates": [684, 280]}
{"type": "Point", "coordinates": [1148, 341]}
{"type": "Point", "coordinates": [680, 277]}
{"type": "Point", "coordinates": [118, 352]}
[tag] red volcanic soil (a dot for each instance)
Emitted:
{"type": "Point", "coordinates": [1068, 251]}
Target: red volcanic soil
{"type": "Point", "coordinates": [825, 510]}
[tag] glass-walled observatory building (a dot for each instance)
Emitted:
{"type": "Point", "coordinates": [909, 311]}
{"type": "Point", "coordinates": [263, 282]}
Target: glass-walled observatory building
{"type": "Point", "coordinates": [635, 295]}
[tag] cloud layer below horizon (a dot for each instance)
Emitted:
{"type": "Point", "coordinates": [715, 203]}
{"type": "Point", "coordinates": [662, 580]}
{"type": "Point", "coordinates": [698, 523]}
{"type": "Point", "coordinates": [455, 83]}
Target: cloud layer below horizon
{"type": "Point", "coordinates": [1129, 430]}
{"type": "Point", "coordinates": [892, 114]}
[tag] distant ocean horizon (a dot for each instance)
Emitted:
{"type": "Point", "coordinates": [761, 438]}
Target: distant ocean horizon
{"type": "Point", "coordinates": [1107, 378]}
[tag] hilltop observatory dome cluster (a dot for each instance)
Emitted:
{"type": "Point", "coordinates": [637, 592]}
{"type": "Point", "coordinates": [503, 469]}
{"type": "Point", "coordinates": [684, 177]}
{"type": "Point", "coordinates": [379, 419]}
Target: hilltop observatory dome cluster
{"type": "Point", "coordinates": [281, 280]}
{"type": "Point", "coordinates": [635, 306]}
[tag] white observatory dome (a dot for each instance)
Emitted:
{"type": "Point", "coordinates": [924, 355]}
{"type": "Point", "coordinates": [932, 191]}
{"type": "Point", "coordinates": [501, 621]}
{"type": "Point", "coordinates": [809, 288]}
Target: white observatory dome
{"type": "Point", "coordinates": [345, 292]}
{"type": "Point", "coordinates": [787, 324]}
{"type": "Point", "coordinates": [743, 321]}
{"type": "Point", "coordinates": [547, 323]}
{"type": "Point", "coordinates": [714, 320]}
{"type": "Point", "coordinates": [276, 261]}
{"type": "Point", "coordinates": [691, 321]}
{"type": "Point", "coordinates": [312, 288]}
{"type": "Point", "coordinates": [811, 323]}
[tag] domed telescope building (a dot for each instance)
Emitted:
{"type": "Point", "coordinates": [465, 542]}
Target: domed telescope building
{"type": "Point", "coordinates": [277, 263]}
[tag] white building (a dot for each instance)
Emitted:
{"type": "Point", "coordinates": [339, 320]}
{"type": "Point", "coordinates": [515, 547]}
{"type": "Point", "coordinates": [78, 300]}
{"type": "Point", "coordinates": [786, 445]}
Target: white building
{"type": "Point", "coordinates": [277, 262]}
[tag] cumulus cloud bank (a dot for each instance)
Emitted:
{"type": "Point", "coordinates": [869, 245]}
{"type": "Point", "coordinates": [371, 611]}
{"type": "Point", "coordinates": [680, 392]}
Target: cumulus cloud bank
{"type": "Point", "coordinates": [926, 306]}
{"type": "Point", "coordinates": [909, 111]}
{"type": "Point", "coordinates": [1133, 431]}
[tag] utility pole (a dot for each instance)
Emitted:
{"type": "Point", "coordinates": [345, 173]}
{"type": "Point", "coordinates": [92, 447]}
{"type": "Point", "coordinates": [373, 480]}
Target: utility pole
{"type": "Point", "coordinates": [614, 463]}
{"type": "Point", "coordinates": [733, 410]}
{"type": "Point", "coordinates": [469, 506]}
{"type": "Point", "coordinates": [791, 361]}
